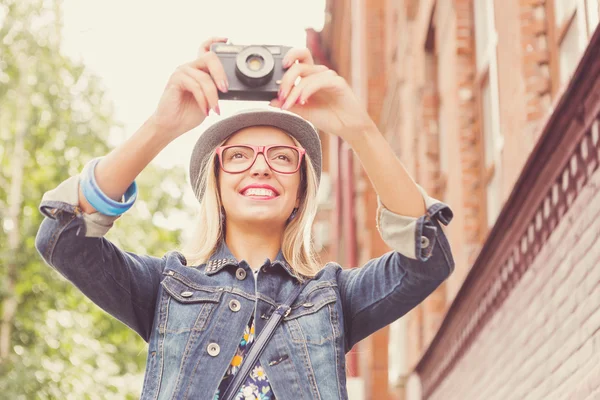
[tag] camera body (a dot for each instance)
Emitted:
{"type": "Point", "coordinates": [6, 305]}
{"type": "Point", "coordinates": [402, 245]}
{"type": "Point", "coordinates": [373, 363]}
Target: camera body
{"type": "Point", "coordinates": [253, 72]}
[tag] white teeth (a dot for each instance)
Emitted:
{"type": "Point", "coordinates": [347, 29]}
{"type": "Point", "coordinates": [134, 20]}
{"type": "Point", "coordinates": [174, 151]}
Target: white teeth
{"type": "Point", "coordinates": [259, 192]}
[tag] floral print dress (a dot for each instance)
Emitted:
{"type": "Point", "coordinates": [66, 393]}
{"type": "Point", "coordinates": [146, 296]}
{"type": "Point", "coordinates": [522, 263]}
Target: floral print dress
{"type": "Point", "coordinates": [256, 386]}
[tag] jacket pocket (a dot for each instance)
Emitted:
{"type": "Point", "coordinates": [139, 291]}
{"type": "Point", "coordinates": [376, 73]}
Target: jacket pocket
{"type": "Point", "coordinates": [186, 306]}
{"type": "Point", "coordinates": [313, 318]}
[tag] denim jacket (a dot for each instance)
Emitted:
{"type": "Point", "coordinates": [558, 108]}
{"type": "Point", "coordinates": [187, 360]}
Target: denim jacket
{"type": "Point", "coordinates": [193, 316]}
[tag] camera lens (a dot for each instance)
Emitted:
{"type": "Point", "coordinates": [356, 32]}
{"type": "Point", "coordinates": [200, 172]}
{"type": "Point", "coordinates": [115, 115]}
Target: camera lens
{"type": "Point", "coordinates": [254, 66]}
{"type": "Point", "coordinates": [255, 62]}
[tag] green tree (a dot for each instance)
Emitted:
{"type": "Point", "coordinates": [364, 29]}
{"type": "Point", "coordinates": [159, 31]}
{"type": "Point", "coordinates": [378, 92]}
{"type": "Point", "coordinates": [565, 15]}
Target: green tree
{"type": "Point", "coordinates": [54, 117]}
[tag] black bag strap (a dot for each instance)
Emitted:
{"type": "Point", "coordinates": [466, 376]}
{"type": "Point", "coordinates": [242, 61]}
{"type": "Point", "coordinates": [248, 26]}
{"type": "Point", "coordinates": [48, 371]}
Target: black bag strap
{"type": "Point", "coordinates": [261, 342]}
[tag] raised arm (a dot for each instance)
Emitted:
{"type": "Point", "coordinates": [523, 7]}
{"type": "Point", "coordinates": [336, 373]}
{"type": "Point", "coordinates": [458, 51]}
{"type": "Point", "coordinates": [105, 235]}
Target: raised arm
{"type": "Point", "coordinates": [408, 220]}
{"type": "Point", "coordinates": [70, 238]}
{"type": "Point", "coordinates": [387, 287]}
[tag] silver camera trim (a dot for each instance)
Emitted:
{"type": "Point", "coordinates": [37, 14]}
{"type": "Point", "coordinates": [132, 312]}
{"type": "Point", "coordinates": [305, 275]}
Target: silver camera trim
{"type": "Point", "coordinates": [261, 51]}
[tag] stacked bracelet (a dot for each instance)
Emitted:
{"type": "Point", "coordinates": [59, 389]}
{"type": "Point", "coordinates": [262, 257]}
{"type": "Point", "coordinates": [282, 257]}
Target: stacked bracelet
{"type": "Point", "coordinates": [101, 202]}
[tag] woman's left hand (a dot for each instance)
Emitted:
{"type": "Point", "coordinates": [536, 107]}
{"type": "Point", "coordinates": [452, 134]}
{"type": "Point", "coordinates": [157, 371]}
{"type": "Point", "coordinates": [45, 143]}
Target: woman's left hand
{"type": "Point", "coordinates": [319, 95]}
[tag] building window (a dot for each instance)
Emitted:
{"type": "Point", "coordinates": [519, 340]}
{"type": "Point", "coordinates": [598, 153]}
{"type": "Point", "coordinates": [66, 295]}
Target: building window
{"type": "Point", "coordinates": [487, 94]}
{"type": "Point", "coordinates": [574, 24]}
{"type": "Point", "coordinates": [592, 9]}
{"type": "Point", "coordinates": [435, 119]}
{"type": "Point", "coordinates": [484, 31]}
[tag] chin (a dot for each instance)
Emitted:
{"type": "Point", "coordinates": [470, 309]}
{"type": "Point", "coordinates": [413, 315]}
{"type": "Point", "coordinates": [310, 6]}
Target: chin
{"type": "Point", "coordinates": [261, 217]}
{"type": "Point", "coordinates": [253, 215]}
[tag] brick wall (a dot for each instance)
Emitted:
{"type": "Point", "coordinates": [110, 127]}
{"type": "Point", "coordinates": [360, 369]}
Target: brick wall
{"type": "Point", "coordinates": [373, 17]}
{"type": "Point", "coordinates": [535, 59]}
{"type": "Point", "coordinates": [432, 65]}
{"type": "Point", "coordinates": [525, 96]}
{"type": "Point", "coordinates": [406, 73]}
{"type": "Point", "coordinates": [423, 81]}
{"type": "Point", "coordinates": [512, 86]}
{"type": "Point", "coordinates": [469, 135]}
{"type": "Point", "coordinates": [544, 342]}
{"type": "Point", "coordinates": [448, 87]}
{"type": "Point", "coordinates": [359, 60]}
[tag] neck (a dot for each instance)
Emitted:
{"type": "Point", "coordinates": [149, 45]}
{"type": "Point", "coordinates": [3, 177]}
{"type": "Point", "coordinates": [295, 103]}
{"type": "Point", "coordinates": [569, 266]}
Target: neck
{"type": "Point", "coordinates": [254, 245]}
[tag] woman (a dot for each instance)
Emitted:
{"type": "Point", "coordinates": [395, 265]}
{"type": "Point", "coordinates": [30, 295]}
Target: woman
{"type": "Point", "coordinates": [256, 176]}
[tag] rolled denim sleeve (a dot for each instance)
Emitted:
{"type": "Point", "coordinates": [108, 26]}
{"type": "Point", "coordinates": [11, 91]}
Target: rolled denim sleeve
{"type": "Point", "coordinates": [387, 287]}
{"type": "Point", "coordinates": [123, 284]}
{"type": "Point", "coordinates": [413, 237]}
{"type": "Point", "coordinates": [65, 197]}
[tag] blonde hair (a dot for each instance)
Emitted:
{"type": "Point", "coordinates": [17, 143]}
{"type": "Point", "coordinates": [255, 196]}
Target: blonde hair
{"type": "Point", "coordinates": [209, 230]}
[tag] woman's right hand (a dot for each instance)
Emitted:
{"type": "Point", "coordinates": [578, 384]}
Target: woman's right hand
{"type": "Point", "coordinates": [191, 93]}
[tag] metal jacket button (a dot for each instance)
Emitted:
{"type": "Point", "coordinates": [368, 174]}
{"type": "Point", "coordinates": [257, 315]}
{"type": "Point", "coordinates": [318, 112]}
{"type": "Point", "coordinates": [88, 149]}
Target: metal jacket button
{"type": "Point", "coordinates": [307, 305]}
{"type": "Point", "coordinates": [240, 274]}
{"type": "Point", "coordinates": [424, 242]}
{"type": "Point", "coordinates": [213, 349]}
{"type": "Point", "coordinates": [187, 294]}
{"type": "Point", "coordinates": [234, 305]}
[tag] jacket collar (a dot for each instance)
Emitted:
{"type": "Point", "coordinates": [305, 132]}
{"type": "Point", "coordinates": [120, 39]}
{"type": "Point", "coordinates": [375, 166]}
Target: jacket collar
{"type": "Point", "coordinates": [223, 257]}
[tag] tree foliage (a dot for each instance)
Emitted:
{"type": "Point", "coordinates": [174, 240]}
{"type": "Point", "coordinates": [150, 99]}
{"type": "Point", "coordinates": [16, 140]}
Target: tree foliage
{"type": "Point", "coordinates": [61, 344]}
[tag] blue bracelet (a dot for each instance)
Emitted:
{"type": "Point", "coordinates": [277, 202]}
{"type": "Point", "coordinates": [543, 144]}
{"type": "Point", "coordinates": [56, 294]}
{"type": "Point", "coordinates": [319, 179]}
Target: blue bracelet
{"type": "Point", "coordinates": [101, 202]}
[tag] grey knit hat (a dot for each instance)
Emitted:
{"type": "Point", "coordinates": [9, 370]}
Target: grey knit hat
{"type": "Point", "coordinates": [216, 133]}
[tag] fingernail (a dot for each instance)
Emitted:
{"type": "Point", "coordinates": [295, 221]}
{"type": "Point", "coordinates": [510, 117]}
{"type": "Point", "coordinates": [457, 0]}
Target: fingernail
{"type": "Point", "coordinates": [285, 63]}
{"type": "Point", "coordinates": [217, 110]}
{"type": "Point", "coordinates": [224, 86]}
{"type": "Point", "coordinates": [207, 111]}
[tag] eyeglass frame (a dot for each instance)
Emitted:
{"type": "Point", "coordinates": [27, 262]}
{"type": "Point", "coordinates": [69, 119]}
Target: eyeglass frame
{"type": "Point", "coordinates": [260, 150]}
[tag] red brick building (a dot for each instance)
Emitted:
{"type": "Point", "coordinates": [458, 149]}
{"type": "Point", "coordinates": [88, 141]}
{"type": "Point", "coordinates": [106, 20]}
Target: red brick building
{"type": "Point", "coordinates": [494, 107]}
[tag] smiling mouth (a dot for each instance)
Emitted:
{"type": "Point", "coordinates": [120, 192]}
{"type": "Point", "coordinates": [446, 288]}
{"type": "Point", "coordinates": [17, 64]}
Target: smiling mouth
{"type": "Point", "coordinates": [259, 193]}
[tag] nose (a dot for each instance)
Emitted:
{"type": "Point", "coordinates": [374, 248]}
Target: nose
{"type": "Point", "coordinates": [260, 166]}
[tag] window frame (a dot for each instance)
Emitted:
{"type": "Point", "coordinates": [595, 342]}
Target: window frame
{"type": "Point", "coordinates": [487, 73]}
{"type": "Point", "coordinates": [557, 31]}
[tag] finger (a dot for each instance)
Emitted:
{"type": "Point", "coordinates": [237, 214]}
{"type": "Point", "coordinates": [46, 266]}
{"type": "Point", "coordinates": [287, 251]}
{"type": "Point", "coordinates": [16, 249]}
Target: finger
{"type": "Point", "coordinates": [297, 70]}
{"type": "Point", "coordinates": [326, 80]}
{"type": "Point", "coordinates": [208, 87]}
{"type": "Point", "coordinates": [210, 62]}
{"type": "Point", "coordinates": [296, 109]}
{"type": "Point", "coordinates": [205, 46]}
{"type": "Point", "coordinates": [294, 96]}
{"type": "Point", "coordinates": [187, 83]}
{"type": "Point", "coordinates": [310, 85]}
{"type": "Point", "coordinates": [302, 55]}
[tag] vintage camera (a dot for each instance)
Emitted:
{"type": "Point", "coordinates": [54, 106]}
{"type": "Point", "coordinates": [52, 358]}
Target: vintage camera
{"type": "Point", "coordinates": [253, 72]}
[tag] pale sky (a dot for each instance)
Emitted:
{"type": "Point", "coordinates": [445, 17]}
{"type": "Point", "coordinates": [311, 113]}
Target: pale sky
{"type": "Point", "coordinates": [135, 45]}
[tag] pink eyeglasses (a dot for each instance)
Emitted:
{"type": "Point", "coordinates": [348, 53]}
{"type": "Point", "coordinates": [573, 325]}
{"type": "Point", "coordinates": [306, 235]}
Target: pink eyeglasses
{"type": "Point", "coordinates": [280, 158]}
